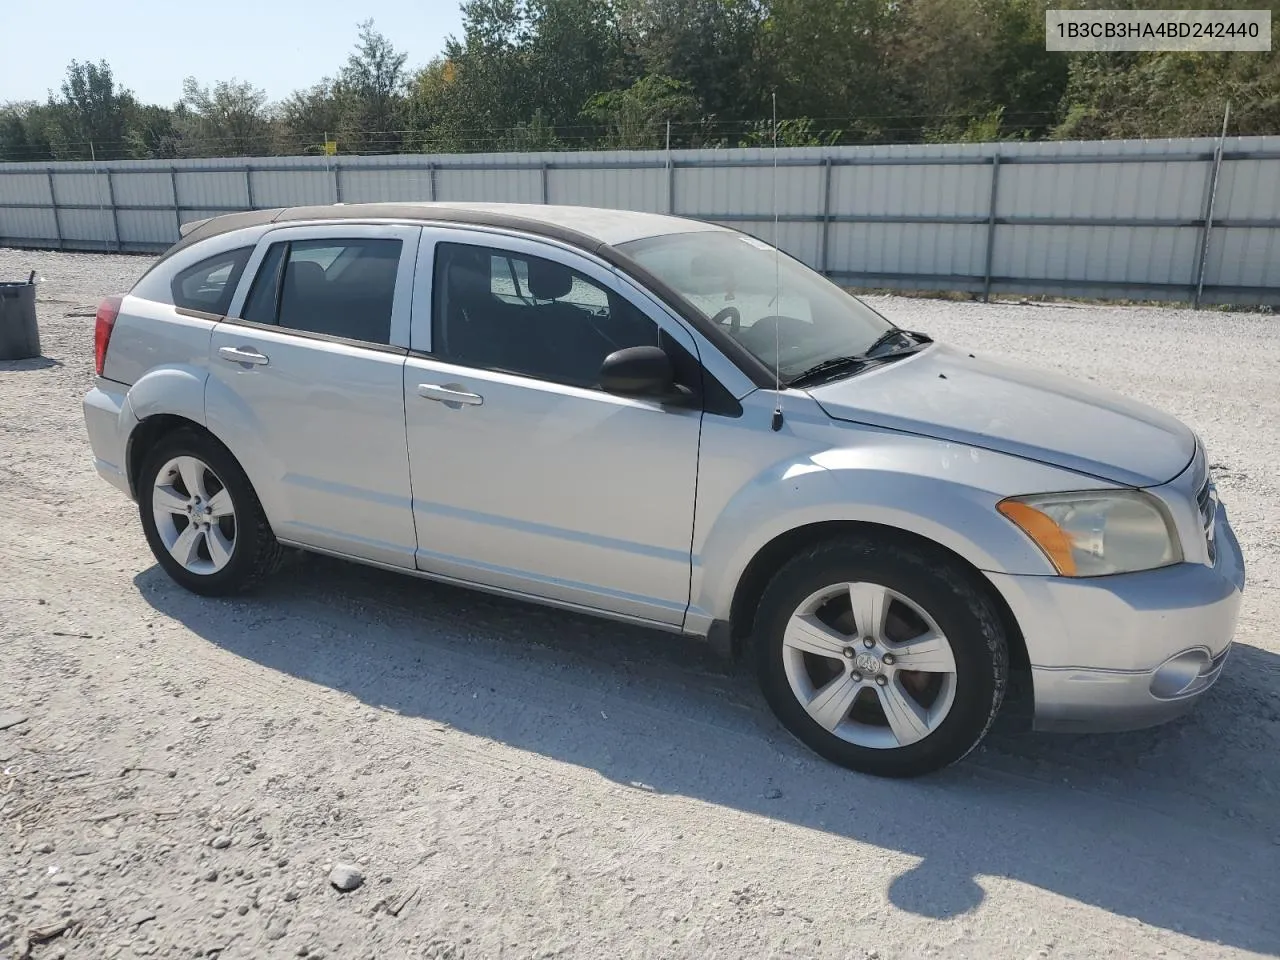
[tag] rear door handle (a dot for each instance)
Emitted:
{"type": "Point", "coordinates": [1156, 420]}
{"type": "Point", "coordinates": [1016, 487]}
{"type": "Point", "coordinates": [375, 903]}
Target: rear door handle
{"type": "Point", "coordinates": [243, 355]}
{"type": "Point", "coordinates": [449, 394]}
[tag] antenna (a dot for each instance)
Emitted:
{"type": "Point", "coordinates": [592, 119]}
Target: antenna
{"type": "Point", "coordinates": [776, 423]}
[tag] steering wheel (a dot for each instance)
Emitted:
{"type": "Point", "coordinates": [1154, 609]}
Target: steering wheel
{"type": "Point", "coordinates": [732, 314]}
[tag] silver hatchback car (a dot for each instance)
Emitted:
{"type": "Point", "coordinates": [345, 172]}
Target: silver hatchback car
{"type": "Point", "coordinates": [667, 422]}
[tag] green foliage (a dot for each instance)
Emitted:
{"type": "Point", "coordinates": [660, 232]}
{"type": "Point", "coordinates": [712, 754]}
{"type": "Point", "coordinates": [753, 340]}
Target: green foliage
{"type": "Point", "coordinates": [636, 118]}
{"type": "Point", "coordinates": [534, 75]}
{"type": "Point", "coordinates": [228, 119]}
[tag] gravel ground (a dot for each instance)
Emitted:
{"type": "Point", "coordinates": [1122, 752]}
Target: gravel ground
{"type": "Point", "coordinates": [515, 782]}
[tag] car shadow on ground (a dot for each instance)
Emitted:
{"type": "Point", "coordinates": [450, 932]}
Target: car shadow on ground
{"type": "Point", "coordinates": [28, 364]}
{"type": "Point", "coordinates": [1168, 826]}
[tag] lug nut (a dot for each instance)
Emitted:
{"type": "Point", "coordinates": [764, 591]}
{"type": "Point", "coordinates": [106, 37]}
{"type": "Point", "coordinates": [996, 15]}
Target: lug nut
{"type": "Point", "coordinates": [882, 680]}
{"type": "Point", "coordinates": [887, 659]}
{"type": "Point", "coordinates": [849, 652]}
{"type": "Point", "coordinates": [857, 677]}
{"type": "Point", "coordinates": [868, 643]}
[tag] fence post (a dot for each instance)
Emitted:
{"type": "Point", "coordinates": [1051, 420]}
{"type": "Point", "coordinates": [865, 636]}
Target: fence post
{"type": "Point", "coordinates": [248, 186]}
{"type": "Point", "coordinates": [431, 181]}
{"type": "Point", "coordinates": [177, 209]}
{"type": "Point", "coordinates": [53, 200]}
{"type": "Point", "coordinates": [671, 176]}
{"type": "Point", "coordinates": [1209, 201]}
{"type": "Point", "coordinates": [991, 227]}
{"type": "Point", "coordinates": [115, 214]}
{"type": "Point", "coordinates": [337, 183]}
{"type": "Point", "coordinates": [544, 181]}
{"type": "Point", "coordinates": [825, 236]}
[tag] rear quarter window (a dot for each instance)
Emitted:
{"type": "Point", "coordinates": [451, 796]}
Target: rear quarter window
{"type": "Point", "coordinates": [209, 285]}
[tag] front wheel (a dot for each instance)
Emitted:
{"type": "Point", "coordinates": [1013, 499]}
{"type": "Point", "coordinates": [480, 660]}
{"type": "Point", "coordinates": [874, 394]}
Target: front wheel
{"type": "Point", "coordinates": [881, 658]}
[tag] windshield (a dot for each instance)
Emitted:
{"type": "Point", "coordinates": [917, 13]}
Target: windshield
{"type": "Point", "coordinates": [730, 277]}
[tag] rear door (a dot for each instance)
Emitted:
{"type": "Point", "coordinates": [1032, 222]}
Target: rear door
{"type": "Point", "coordinates": [306, 386]}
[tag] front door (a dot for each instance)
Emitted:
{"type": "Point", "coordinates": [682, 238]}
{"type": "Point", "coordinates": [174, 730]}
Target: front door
{"type": "Point", "coordinates": [527, 476]}
{"type": "Point", "coordinates": [306, 386]}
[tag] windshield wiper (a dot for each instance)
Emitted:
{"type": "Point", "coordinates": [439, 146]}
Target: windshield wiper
{"type": "Point", "coordinates": [831, 367]}
{"type": "Point", "coordinates": [836, 366]}
{"type": "Point", "coordinates": [912, 339]}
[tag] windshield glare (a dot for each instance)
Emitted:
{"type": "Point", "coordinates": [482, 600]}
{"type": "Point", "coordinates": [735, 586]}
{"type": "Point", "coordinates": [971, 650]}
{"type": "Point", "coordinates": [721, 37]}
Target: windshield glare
{"type": "Point", "coordinates": [730, 277]}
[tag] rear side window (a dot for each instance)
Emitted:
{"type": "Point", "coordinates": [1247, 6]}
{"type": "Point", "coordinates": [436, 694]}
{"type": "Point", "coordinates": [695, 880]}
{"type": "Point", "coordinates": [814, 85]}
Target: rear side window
{"type": "Point", "coordinates": [209, 285]}
{"type": "Point", "coordinates": [340, 288]}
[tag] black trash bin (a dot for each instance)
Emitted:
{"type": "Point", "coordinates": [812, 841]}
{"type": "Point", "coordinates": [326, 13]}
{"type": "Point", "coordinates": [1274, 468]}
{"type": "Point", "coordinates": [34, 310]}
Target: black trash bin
{"type": "Point", "coordinates": [19, 335]}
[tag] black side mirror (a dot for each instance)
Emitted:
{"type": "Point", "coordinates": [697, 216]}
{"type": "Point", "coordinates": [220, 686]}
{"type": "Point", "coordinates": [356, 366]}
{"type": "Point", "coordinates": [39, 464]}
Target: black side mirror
{"type": "Point", "coordinates": [645, 372]}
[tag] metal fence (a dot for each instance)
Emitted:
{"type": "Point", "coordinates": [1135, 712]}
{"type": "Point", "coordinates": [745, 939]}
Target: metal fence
{"type": "Point", "coordinates": [1191, 220]}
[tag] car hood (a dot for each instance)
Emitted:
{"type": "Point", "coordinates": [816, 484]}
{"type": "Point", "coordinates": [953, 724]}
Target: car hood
{"type": "Point", "coordinates": [948, 394]}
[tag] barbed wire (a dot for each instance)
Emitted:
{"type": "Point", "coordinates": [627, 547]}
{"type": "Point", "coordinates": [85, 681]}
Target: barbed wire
{"type": "Point", "coordinates": [538, 136]}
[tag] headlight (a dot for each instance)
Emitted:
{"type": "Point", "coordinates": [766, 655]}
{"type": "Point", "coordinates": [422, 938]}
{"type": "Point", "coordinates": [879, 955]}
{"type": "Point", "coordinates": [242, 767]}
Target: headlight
{"type": "Point", "coordinates": [1093, 534]}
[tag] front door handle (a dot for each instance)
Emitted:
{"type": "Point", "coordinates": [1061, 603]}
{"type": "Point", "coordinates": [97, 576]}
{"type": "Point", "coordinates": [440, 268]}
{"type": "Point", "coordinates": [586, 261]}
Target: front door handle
{"type": "Point", "coordinates": [450, 394]}
{"type": "Point", "coordinates": [243, 355]}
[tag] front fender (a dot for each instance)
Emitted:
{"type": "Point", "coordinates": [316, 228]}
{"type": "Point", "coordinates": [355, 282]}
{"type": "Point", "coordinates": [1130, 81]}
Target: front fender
{"type": "Point", "coordinates": [944, 492]}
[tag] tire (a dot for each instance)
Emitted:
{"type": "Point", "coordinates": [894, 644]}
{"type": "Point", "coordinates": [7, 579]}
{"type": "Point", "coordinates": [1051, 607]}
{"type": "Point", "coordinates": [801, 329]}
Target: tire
{"type": "Point", "coordinates": [940, 712]}
{"type": "Point", "coordinates": [230, 548]}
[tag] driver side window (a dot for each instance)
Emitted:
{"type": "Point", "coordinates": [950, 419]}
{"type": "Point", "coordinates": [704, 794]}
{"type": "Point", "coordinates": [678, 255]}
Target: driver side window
{"type": "Point", "coordinates": [520, 314]}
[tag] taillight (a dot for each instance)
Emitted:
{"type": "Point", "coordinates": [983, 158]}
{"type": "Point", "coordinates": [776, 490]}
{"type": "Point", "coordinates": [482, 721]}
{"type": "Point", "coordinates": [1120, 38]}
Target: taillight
{"type": "Point", "coordinates": [104, 323]}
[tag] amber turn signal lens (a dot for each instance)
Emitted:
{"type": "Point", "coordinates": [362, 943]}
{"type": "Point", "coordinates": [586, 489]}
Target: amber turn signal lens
{"type": "Point", "coordinates": [1041, 528]}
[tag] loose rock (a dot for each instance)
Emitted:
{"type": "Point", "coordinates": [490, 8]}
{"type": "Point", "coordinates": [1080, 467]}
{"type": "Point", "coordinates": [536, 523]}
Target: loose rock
{"type": "Point", "coordinates": [221, 842]}
{"type": "Point", "coordinates": [346, 877]}
{"type": "Point", "coordinates": [11, 718]}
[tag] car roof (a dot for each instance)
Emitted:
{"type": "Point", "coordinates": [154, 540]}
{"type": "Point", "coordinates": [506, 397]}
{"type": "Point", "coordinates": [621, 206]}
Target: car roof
{"type": "Point", "coordinates": [587, 227]}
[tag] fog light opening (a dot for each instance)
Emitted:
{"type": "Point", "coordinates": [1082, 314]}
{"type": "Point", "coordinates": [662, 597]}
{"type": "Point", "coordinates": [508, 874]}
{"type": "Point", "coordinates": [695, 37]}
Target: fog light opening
{"type": "Point", "coordinates": [1180, 673]}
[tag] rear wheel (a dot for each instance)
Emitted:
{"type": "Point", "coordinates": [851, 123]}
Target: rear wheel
{"type": "Point", "coordinates": [879, 658]}
{"type": "Point", "coordinates": [201, 517]}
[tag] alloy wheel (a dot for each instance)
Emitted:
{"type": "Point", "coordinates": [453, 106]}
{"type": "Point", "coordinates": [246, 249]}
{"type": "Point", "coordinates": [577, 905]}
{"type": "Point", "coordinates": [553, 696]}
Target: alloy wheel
{"type": "Point", "coordinates": [194, 515]}
{"type": "Point", "coordinates": [869, 665]}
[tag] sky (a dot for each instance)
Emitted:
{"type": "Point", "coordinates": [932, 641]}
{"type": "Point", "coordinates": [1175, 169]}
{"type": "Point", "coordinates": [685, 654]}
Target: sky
{"type": "Point", "coordinates": [277, 45]}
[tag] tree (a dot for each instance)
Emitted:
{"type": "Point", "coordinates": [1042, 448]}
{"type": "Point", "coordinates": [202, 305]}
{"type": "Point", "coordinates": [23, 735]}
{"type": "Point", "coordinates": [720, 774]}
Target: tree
{"type": "Point", "coordinates": [828, 61]}
{"type": "Point", "coordinates": [152, 133]}
{"type": "Point", "coordinates": [715, 47]}
{"type": "Point", "coordinates": [227, 120]}
{"type": "Point", "coordinates": [309, 117]}
{"type": "Point", "coordinates": [91, 118]}
{"type": "Point", "coordinates": [636, 118]}
{"type": "Point", "coordinates": [958, 61]}
{"type": "Point", "coordinates": [573, 50]}
{"type": "Point", "coordinates": [371, 88]}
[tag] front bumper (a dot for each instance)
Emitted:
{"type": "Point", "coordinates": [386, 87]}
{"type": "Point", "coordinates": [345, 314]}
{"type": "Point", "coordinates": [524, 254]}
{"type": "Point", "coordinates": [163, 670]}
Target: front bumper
{"type": "Point", "coordinates": [106, 413]}
{"type": "Point", "coordinates": [1132, 650]}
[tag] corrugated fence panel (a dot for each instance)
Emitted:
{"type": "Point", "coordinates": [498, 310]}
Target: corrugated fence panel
{"type": "Point", "coordinates": [291, 188]}
{"type": "Point", "coordinates": [494, 186]}
{"type": "Point", "coordinates": [24, 188]}
{"type": "Point", "coordinates": [87, 188]}
{"type": "Point", "coordinates": [93, 228]}
{"type": "Point", "coordinates": [1133, 255]}
{"type": "Point", "coordinates": [213, 189]}
{"type": "Point", "coordinates": [147, 227]}
{"type": "Point", "coordinates": [373, 185]}
{"type": "Point", "coordinates": [907, 249]}
{"type": "Point", "coordinates": [1248, 190]}
{"type": "Point", "coordinates": [1122, 218]}
{"type": "Point", "coordinates": [636, 189]}
{"type": "Point", "coordinates": [29, 224]}
{"type": "Point", "coordinates": [141, 189]}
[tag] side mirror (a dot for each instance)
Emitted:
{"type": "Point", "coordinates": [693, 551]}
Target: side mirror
{"type": "Point", "coordinates": [644, 372]}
